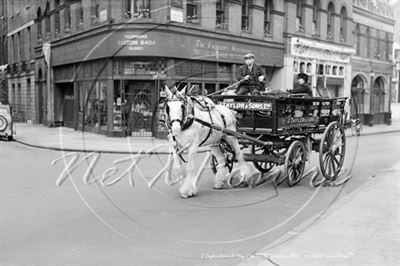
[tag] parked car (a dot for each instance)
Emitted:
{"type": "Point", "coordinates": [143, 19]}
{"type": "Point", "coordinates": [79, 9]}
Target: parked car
{"type": "Point", "coordinates": [7, 129]}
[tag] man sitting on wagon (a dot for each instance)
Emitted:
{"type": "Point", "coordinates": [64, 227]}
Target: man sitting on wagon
{"type": "Point", "coordinates": [253, 76]}
{"type": "Point", "coordinates": [303, 87]}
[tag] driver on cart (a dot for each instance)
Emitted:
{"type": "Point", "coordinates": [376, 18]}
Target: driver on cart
{"type": "Point", "coordinates": [253, 76]}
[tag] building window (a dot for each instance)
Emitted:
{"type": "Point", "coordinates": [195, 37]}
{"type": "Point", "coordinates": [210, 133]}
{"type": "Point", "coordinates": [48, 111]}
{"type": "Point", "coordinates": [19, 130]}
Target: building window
{"type": "Point", "coordinates": [79, 16]}
{"type": "Point", "coordinates": [192, 11]}
{"type": "Point", "coordinates": [246, 15]}
{"type": "Point", "coordinates": [95, 13]}
{"type": "Point", "coordinates": [57, 19]}
{"type": "Point", "coordinates": [357, 37]}
{"type": "Point", "coordinates": [67, 19]}
{"type": "Point", "coordinates": [368, 42]}
{"type": "Point", "coordinates": [316, 17]}
{"type": "Point", "coordinates": [221, 14]}
{"type": "Point", "coordinates": [268, 18]}
{"type": "Point", "coordinates": [39, 25]}
{"type": "Point", "coordinates": [137, 9]}
{"type": "Point", "coordinates": [343, 21]}
{"type": "Point", "coordinates": [330, 24]}
{"type": "Point", "coordinates": [389, 46]}
{"type": "Point", "coordinates": [300, 16]}
{"type": "Point", "coordinates": [47, 21]}
{"type": "Point", "coordinates": [378, 45]}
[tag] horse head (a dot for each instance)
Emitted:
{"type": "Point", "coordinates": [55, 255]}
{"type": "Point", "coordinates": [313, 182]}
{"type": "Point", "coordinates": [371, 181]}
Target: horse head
{"type": "Point", "coordinates": [176, 109]}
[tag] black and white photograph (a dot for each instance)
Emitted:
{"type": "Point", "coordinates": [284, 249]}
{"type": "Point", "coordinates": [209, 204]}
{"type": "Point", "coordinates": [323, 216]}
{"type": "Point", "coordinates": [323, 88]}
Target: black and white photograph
{"type": "Point", "coordinates": [199, 132]}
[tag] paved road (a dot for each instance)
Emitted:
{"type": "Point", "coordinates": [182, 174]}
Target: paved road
{"type": "Point", "coordinates": [80, 224]}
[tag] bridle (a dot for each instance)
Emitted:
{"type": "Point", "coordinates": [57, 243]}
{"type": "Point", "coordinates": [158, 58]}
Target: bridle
{"type": "Point", "coordinates": [187, 108]}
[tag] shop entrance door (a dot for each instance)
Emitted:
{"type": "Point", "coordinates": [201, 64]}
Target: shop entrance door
{"type": "Point", "coordinates": [68, 105]}
{"type": "Point", "coordinates": [141, 102]}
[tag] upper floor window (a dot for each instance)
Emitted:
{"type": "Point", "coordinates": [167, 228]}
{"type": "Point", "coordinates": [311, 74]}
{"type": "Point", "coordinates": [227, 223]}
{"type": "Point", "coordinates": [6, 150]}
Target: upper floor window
{"type": "Point", "coordinates": [192, 11]}
{"type": "Point", "coordinates": [57, 18]}
{"type": "Point", "coordinates": [268, 18]}
{"type": "Point", "coordinates": [221, 15]}
{"type": "Point", "coordinates": [39, 24]}
{"type": "Point", "coordinates": [316, 17]}
{"type": "Point", "coordinates": [368, 42]}
{"type": "Point", "coordinates": [246, 15]}
{"type": "Point", "coordinates": [330, 23]}
{"type": "Point", "coordinates": [300, 16]}
{"type": "Point", "coordinates": [389, 46]}
{"type": "Point", "coordinates": [357, 38]}
{"type": "Point", "coordinates": [137, 8]}
{"type": "Point", "coordinates": [343, 22]}
{"type": "Point", "coordinates": [95, 12]}
{"type": "Point", "coordinates": [79, 15]}
{"type": "Point", "coordinates": [67, 18]}
{"type": "Point", "coordinates": [47, 21]}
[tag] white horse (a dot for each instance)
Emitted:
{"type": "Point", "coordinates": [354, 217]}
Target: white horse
{"type": "Point", "coordinates": [186, 132]}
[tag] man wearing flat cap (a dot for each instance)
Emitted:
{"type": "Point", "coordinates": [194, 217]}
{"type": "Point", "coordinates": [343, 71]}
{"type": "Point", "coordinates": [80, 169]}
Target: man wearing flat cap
{"type": "Point", "coordinates": [253, 76]}
{"type": "Point", "coordinates": [303, 87]}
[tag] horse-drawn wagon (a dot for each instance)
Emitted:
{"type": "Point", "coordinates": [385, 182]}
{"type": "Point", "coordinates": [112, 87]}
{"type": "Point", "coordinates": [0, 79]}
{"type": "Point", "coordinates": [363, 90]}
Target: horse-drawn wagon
{"type": "Point", "coordinates": [268, 130]}
{"type": "Point", "coordinates": [283, 129]}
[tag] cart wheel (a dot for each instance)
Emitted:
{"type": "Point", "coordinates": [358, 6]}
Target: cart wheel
{"type": "Point", "coordinates": [332, 150]}
{"type": "Point", "coordinates": [295, 162]}
{"type": "Point", "coordinates": [229, 158]}
{"type": "Point", "coordinates": [261, 166]}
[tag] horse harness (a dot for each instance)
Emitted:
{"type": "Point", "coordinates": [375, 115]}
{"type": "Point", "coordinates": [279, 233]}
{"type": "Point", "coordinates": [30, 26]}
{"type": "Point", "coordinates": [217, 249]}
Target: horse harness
{"type": "Point", "coordinates": [187, 121]}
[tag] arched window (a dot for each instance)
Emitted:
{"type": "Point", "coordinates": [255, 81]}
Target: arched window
{"type": "Point", "coordinates": [330, 24]}
{"type": "Point", "coordinates": [39, 24]}
{"type": "Point", "coordinates": [357, 96]}
{"type": "Point", "coordinates": [343, 21]}
{"type": "Point", "coordinates": [316, 17]}
{"type": "Point", "coordinates": [268, 17]}
{"type": "Point", "coordinates": [300, 16]}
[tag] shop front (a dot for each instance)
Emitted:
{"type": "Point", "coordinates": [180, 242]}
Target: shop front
{"type": "Point", "coordinates": [116, 90]}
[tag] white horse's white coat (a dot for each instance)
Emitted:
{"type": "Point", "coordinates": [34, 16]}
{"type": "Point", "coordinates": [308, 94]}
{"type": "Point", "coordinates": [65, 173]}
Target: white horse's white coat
{"type": "Point", "coordinates": [193, 136]}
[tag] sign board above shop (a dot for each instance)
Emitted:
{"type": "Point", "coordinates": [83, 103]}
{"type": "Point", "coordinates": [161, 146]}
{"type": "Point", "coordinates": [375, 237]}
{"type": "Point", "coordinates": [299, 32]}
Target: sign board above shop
{"type": "Point", "coordinates": [164, 44]}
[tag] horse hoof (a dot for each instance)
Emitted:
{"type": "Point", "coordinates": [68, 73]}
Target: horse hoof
{"type": "Point", "coordinates": [218, 187]}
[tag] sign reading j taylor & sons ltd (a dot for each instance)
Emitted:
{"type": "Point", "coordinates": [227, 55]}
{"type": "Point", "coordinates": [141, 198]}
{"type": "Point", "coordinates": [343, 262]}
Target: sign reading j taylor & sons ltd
{"type": "Point", "coordinates": [160, 43]}
{"type": "Point", "coordinates": [249, 106]}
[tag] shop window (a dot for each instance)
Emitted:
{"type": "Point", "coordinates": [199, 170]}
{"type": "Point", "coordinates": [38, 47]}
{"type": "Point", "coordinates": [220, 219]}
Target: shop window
{"type": "Point", "coordinates": [192, 15]}
{"type": "Point", "coordinates": [335, 70]}
{"type": "Point", "coordinates": [221, 15]}
{"type": "Point", "coordinates": [295, 66]}
{"type": "Point", "coordinates": [309, 67]}
{"type": "Point", "coordinates": [268, 18]}
{"type": "Point", "coordinates": [302, 67]}
{"type": "Point", "coordinates": [327, 69]}
{"type": "Point", "coordinates": [316, 17]}
{"type": "Point", "coordinates": [320, 69]}
{"type": "Point", "coordinates": [300, 16]}
{"type": "Point", "coordinates": [137, 9]}
{"type": "Point", "coordinates": [246, 15]}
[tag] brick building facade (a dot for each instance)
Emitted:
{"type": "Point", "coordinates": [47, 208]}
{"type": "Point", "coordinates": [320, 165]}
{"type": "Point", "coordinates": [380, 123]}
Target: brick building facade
{"type": "Point", "coordinates": [3, 52]}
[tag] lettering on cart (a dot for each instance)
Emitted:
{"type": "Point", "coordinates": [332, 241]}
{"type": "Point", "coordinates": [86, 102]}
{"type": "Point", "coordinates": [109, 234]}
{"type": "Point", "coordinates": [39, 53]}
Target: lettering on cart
{"type": "Point", "coordinates": [250, 106]}
{"type": "Point", "coordinates": [298, 121]}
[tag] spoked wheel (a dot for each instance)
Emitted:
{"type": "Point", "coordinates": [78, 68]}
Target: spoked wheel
{"type": "Point", "coordinates": [332, 151]}
{"type": "Point", "coordinates": [229, 157]}
{"type": "Point", "coordinates": [261, 166]}
{"type": "Point", "coordinates": [295, 162]}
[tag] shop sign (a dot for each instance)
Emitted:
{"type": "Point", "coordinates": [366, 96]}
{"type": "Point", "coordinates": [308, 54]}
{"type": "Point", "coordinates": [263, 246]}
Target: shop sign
{"type": "Point", "coordinates": [103, 15]}
{"type": "Point", "coordinates": [176, 15]}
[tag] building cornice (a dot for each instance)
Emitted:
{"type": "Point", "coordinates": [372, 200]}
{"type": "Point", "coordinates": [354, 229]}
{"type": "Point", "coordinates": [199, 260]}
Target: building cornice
{"type": "Point", "coordinates": [364, 12]}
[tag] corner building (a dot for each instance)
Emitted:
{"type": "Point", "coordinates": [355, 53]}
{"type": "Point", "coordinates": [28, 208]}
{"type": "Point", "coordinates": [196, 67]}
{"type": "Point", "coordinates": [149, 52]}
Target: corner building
{"type": "Point", "coordinates": [101, 65]}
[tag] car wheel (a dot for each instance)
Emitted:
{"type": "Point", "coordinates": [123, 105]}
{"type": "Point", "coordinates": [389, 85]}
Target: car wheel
{"type": "Point", "coordinates": [3, 123]}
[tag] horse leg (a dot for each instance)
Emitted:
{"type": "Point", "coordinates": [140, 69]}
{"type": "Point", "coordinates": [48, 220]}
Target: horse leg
{"type": "Point", "coordinates": [222, 170]}
{"type": "Point", "coordinates": [189, 186]}
{"type": "Point", "coordinates": [233, 142]}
